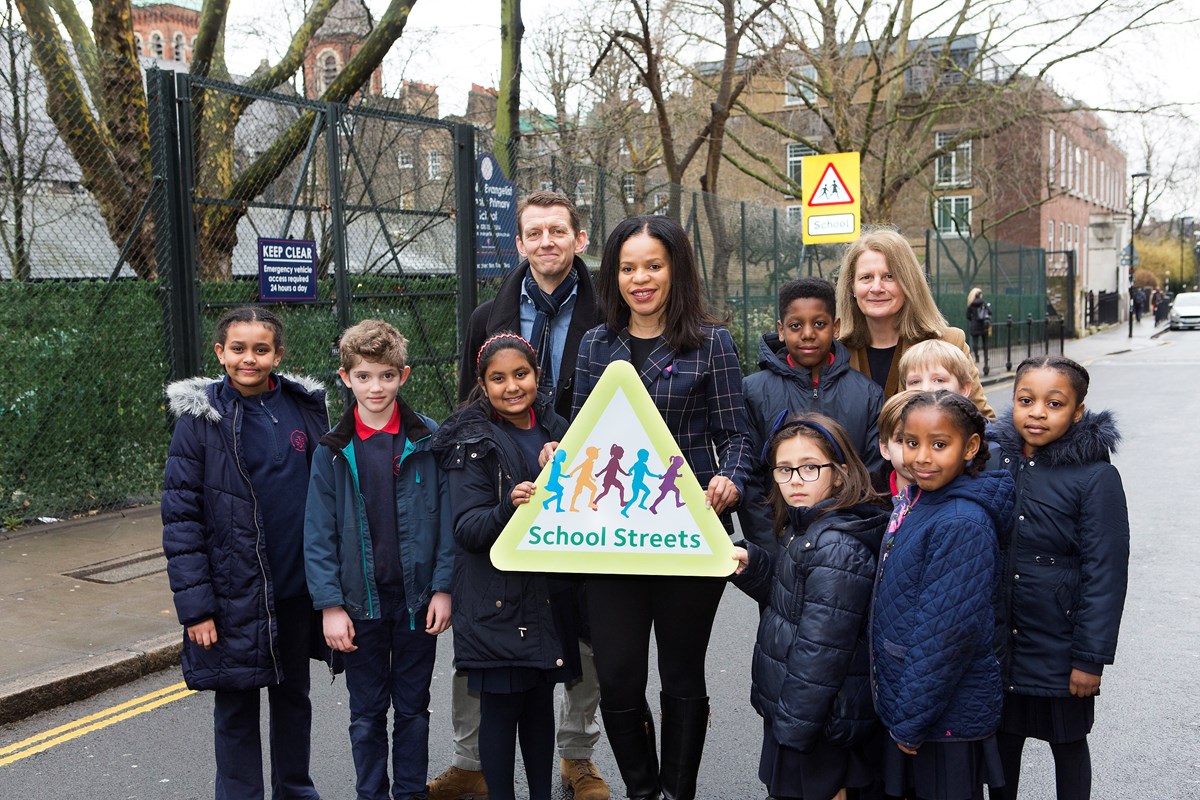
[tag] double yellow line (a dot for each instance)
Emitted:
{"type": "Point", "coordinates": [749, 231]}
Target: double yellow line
{"type": "Point", "coordinates": [94, 722]}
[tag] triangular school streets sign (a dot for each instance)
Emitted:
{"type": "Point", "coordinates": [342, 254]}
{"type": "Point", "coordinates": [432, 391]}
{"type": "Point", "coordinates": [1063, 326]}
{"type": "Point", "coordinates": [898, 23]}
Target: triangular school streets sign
{"type": "Point", "coordinates": [617, 497]}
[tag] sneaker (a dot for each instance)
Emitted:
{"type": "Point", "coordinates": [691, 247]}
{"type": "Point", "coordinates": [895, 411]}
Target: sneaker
{"type": "Point", "coordinates": [458, 784]}
{"type": "Point", "coordinates": [581, 779]}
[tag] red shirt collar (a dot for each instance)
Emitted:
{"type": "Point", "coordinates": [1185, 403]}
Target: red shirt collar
{"type": "Point", "coordinates": [792, 364]}
{"type": "Point", "coordinates": [365, 432]}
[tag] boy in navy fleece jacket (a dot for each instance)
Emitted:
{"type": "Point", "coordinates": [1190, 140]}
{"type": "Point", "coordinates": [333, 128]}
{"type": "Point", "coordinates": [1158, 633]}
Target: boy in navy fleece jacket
{"type": "Point", "coordinates": [379, 559]}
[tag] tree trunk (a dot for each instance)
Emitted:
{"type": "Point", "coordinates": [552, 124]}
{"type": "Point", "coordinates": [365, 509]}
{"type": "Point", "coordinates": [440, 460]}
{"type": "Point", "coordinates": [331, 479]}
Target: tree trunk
{"type": "Point", "coordinates": [507, 138]}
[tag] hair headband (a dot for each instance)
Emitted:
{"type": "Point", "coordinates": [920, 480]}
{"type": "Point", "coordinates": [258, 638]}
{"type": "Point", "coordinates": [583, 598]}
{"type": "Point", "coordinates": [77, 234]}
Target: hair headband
{"type": "Point", "coordinates": [518, 337]}
{"type": "Point", "coordinates": [782, 422]}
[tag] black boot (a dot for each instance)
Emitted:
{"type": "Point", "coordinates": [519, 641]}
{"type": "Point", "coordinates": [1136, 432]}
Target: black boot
{"type": "Point", "coordinates": [684, 726]}
{"type": "Point", "coordinates": [631, 736]}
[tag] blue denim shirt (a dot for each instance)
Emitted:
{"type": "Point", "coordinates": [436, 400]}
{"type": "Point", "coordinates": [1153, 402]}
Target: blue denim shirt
{"type": "Point", "coordinates": [558, 328]}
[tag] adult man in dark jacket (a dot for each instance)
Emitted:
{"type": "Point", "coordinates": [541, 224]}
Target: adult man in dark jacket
{"type": "Point", "coordinates": [548, 298]}
{"type": "Point", "coordinates": [550, 301]}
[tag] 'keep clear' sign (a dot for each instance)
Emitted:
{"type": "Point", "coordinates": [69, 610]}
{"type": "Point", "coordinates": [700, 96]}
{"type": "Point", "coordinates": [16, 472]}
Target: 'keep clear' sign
{"type": "Point", "coordinates": [287, 270]}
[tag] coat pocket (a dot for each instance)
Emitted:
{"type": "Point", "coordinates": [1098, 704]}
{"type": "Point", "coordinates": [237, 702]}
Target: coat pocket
{"type": "Point", "coordinates": [1066, 600]}
{"type": "Point", "coordinates": [896, 651]}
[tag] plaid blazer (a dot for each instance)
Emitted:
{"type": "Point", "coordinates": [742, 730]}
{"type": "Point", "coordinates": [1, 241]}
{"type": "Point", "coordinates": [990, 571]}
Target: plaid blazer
{"type": "Point", "coordinates": [698, 393]}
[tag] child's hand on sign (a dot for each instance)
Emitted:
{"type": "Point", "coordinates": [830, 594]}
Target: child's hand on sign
{"type": "Point", "coordinates": [547, 453]}
{"type": "Point", "coordinates": [742, 556]}
{"type": "Point", "coordinates": [721, 493]}
{"type": "Point", "coordinates": [522, 493]}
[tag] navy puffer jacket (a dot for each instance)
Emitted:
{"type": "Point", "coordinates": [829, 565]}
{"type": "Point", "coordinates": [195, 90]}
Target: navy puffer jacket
{"type": "Point", "coordinates": [936, 675]}
{"type": "Point", "coordinates": [1066, 557]}
{"type": "Point", "coordinates": [501, 619]}
{"type": "Point", "coordinates": [842, 393]}
{"type": "Point", "coordinates": [213, 532]}
{"type": "Point", "coordinates": [811, 670]}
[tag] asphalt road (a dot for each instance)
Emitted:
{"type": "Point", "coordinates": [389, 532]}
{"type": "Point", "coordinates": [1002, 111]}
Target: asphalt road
{"type": "Point", "coordinates": [1146, 743]}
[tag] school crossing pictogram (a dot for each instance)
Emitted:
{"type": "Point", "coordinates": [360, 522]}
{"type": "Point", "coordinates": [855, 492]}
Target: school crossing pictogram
{"type": "Point", "coordinates": [617, 497]}
{"type": "Point", "coordinates": [831, 190]}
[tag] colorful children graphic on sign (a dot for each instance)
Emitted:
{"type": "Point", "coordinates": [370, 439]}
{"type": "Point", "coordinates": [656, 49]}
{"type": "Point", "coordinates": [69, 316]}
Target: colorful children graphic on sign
{"type": "Point", "coordinates": [636, 532]}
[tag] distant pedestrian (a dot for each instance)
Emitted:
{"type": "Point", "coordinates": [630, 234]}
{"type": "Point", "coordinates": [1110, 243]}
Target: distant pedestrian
{"type": "Point", "coordinates": [811, 677]}
{"type": "Point", "coordinates": [233, 501]}
{"type": "Point", "coordinates": [1070, 550]}
{"type": "Point", "coordinates": [1139, 303]}
{"type": "Point", "coordinates": [936, 678]}
{"type": "Point", "coordinates": [379, 556]}
{"type": "Point", "coordinates": [979, 319]}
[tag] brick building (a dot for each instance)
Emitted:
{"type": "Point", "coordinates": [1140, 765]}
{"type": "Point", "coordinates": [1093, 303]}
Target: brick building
{"type": "Point", "coordinates": [166, 29]}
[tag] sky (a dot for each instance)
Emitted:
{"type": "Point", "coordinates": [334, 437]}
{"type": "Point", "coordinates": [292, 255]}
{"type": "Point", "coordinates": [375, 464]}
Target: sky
{"type": "Point", "coordinates": [454, 43]}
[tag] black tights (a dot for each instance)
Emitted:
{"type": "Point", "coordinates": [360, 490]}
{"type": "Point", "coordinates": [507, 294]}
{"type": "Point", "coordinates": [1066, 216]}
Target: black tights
{"type": "Point", "coordinates": [624, 610]}
{"type": "Point", "coordinates": [1072, 768]}
{"type": "Point", "coordinates": [503, 718]}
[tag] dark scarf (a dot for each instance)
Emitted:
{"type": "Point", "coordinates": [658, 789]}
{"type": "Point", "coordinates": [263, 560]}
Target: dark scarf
{"type": "Point", "coordinates": [548, 306]}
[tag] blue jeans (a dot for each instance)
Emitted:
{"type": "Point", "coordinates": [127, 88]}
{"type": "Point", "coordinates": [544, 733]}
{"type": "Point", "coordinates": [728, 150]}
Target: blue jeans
{"type": "Point", "coordinates": [238, 745]}
{"type": "Point", "coordinates": [393, 665]}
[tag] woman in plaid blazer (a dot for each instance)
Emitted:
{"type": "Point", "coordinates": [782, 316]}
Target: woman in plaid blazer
{"type": "Point", "coordinates": [650, 296]}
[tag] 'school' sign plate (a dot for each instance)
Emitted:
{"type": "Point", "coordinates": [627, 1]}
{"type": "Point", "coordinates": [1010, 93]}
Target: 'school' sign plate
{"type": "Point", "coordinates": [617, 497]}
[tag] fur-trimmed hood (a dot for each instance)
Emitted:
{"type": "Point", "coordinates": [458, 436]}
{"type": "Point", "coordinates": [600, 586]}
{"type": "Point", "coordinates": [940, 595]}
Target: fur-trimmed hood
{"type": "Point", "coordinates": [1091, 440]}
{"type": "Point", "coordinates": [198, 397]}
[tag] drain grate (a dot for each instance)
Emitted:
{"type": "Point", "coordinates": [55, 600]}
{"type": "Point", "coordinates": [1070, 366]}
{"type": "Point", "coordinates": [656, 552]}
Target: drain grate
{"type": "Point", "coordinates": [122, 569]}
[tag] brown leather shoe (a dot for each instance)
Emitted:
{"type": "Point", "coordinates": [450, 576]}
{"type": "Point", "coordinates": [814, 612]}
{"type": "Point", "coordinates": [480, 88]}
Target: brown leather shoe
{"type": "Point", "coordinates": [458, 784]}
{"type": "Point", "coordinates": [581, 779]}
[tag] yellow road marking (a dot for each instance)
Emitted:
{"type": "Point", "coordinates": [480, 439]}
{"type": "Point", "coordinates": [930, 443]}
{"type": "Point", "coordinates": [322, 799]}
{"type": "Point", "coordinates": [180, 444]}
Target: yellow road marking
{"type": "Point", "coordinates": [93, 722]}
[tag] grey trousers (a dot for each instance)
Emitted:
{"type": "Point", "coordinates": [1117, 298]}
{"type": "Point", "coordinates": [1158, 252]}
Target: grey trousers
{"type": "Point", "coordinates": [578, 730]}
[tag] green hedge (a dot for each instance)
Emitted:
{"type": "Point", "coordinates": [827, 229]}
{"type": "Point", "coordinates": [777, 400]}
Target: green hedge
{"type": "Point", "coordinates": [82, 415]}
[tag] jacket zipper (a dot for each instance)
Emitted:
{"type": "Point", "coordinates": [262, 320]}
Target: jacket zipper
{"type": "Point", "coordinates": [237, 408]}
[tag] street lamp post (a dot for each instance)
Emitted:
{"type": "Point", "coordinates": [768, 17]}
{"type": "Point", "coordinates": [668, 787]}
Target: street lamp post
{"type": "Point", "coordinates": [1132, 224]}
{"type": "Point", "coordinates": [1182, 221]}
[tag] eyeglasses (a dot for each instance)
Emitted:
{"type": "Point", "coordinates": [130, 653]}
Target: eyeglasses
{"type": "Point", "coordinates": [807, 472]}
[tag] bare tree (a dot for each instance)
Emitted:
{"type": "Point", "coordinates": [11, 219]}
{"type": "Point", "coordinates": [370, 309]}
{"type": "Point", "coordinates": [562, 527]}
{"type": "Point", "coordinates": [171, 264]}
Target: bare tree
{"type": "Point", "coordinates": [663, 44]}
{"type": "Point", "coordinates": [99, 109]}
{"type": "Point", "coordinates": [858, 79]}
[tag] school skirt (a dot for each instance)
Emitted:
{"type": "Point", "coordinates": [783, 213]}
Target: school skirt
{"type": "Point", "coordinates": [943, 770]}
{"type": "Point", "coordinates": [816, 775]}
{"type": "Point", "coordinates": [1056, 720]}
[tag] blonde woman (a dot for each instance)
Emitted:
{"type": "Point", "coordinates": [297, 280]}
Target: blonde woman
{"type": "Point", "coordinates": [884, 306]}
{"type": "Point", "coordinates": [979, 319]}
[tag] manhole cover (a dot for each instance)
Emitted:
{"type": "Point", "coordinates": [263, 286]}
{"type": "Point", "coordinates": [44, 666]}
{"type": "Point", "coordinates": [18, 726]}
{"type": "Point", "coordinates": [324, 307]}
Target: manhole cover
{"type": "Point", "coordinates": [124, 568]}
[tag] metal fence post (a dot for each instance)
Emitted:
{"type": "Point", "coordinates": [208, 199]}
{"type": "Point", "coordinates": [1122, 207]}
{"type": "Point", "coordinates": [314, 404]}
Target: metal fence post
{"type": "Point", "coordinates": [173, 222]}
{"type": "Point", "coordinates": [337, 211]}
{"type": "Point", "coordinates": [464, 232]}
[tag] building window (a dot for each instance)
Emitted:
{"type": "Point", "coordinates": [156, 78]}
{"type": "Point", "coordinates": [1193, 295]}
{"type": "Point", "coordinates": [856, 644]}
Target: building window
{"type": "Point", "coordinates": [628, 187]}
{"type": "Point", "coordinates": [622, 147]}
{"type": "Point", "coordinates": [435, 164]}
{"type": "Point", "coordinates": [404, 160]}
{"type": "Point", "coordinates": [1051, 160]}
{"type": "Point", "coordinates": [795, 215]}
{"type": "Point", "coordinates": [156, 45]}
{"type": "Point", "coordinates": [1077, 182]}
{"type": "Point", "coordinates": [137, 43]}
{"type": "Point", "coordinates": [661, 201]}
{"type": "Point", "coordinates": [329, 70]}
{"type": "Point", "coordinates": [795, 152]}
{"type": "Point", "coordinates": [800, 87]}
{"type": "Point", "coordinates": [178, 47]}
{"type": "Point", "coordinates": [953, 167]}
{"type": "Point", "coordinates": [953, 215]}
{"type": "Point", "coordinates": [1062, 162]}
{"type": "Point", "coordinates": [1061, 240]}
{"type": "Point", "coordinates": [1103, 184]}
{"type": "Point", "coordinates": [1050, 238]}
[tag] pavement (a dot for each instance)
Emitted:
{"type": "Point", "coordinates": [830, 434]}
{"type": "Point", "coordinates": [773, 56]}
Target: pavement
{"type": "Point", "coordinates": [87, 607]}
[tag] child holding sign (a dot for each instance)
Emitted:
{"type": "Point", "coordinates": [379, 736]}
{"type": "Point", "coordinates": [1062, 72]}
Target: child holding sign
{"type": "Point", "coordinates": [516, 633]}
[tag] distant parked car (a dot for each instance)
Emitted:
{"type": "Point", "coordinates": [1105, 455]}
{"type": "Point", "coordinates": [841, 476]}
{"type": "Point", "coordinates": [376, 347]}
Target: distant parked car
{"type": "Point", "coordinates": [1185, 311]}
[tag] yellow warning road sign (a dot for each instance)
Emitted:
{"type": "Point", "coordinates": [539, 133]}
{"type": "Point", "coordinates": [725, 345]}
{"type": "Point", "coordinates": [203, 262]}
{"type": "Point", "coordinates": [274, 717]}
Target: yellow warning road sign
{"type": "Point", "coordinates": [618, 497]}
{"type": "Point", "coordinates": [830, 184]}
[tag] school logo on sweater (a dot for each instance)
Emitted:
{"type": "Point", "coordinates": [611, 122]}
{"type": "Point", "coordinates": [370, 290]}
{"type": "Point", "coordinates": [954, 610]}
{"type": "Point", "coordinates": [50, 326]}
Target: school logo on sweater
{"type": "Point", "coordinates": [617, 497]}
{"type": "Point", "coordinates": [299, 441]}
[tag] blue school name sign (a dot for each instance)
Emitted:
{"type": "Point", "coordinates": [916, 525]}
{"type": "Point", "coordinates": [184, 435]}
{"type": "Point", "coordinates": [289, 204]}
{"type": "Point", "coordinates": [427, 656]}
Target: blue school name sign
{"type": "Point", "coordinates": [495, 219]}
{"type": "Point", "coordinates": [287, 270]}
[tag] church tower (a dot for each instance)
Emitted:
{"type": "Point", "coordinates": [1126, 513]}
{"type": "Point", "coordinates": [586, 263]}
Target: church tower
{"type": "Point", "coordinates": [331, 48]}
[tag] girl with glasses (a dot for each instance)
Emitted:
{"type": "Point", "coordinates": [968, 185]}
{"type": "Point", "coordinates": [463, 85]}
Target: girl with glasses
{"type": "Point", "coordinates": [811, 668]}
